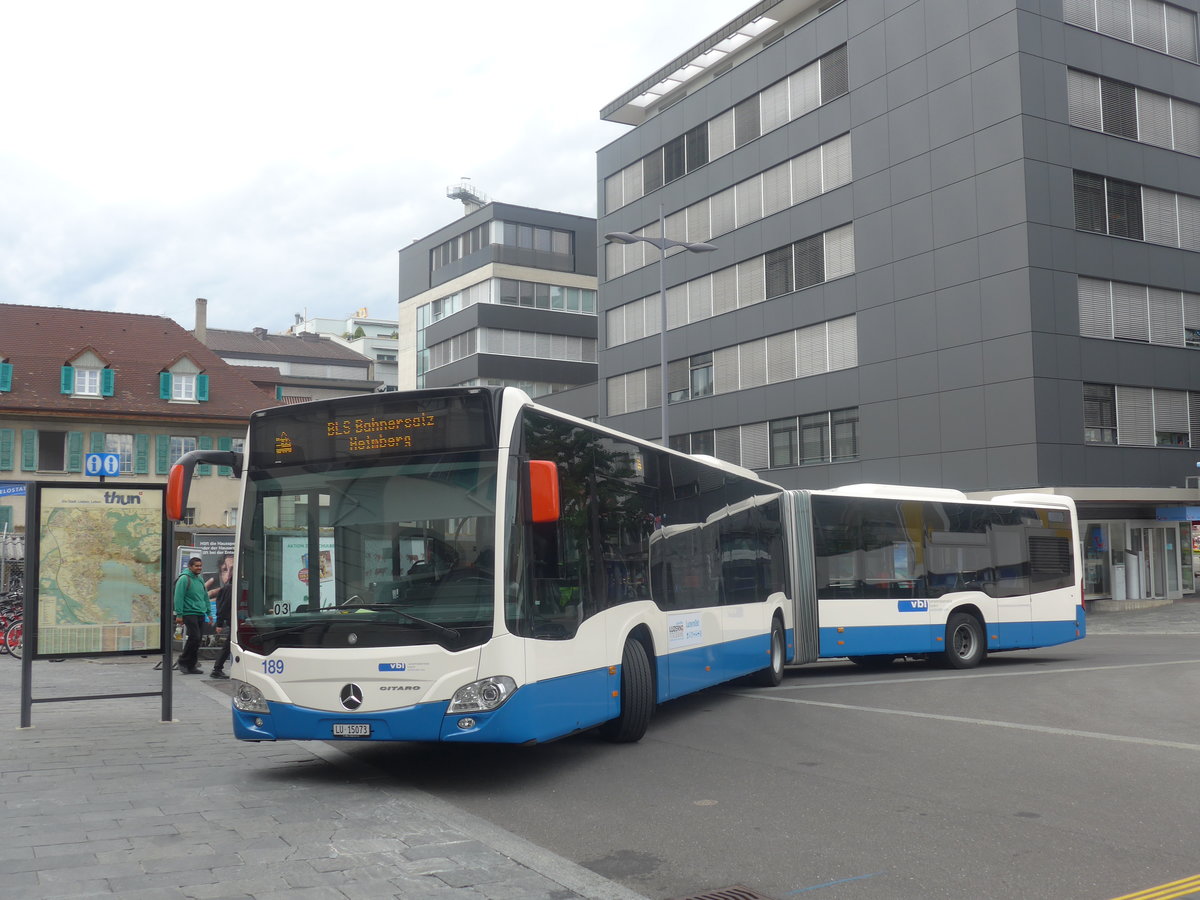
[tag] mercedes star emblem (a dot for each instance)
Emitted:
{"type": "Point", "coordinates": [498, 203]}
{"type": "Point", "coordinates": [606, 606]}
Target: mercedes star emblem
{"type": "Point", "coordinates": [352, 696]}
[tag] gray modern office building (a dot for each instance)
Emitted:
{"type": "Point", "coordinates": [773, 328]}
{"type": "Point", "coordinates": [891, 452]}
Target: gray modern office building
{"type": "Point", "coordinates": [957, 245]}
{"type": "Point", "coordinates": [504, 295]}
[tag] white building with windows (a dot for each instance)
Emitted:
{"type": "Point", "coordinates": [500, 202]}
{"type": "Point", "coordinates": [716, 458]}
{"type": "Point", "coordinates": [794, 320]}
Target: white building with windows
{"type": "Point", "coordinates": [376, 339]}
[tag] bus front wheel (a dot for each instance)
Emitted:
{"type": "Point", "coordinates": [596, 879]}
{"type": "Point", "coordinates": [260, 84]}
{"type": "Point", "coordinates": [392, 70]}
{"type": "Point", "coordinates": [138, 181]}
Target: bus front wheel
{"type": "Point", "coordinates": [637, 697]}
{"type": "Point", "coordinates": [964, 642]}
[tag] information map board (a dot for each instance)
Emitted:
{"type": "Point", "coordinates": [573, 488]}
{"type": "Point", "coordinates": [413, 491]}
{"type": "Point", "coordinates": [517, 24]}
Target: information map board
{"type": "Point", "coordinates": [100, 570]}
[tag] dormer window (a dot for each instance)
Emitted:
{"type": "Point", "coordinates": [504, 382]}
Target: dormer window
{"type": "Point", "coordinates": [88, 375]}
{"type": "Point", "coordinates": [183, 382]}
{"type": "Point", "coordinates": [5, 374]}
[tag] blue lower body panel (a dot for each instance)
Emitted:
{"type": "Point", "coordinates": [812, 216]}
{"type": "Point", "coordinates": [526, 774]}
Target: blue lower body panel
{"type": "Point", "coordinates": [901, 640]}
{"type": "Point", "coordinates": [536, 712]}
{"type": "Point", "coordinates": [879, 640]}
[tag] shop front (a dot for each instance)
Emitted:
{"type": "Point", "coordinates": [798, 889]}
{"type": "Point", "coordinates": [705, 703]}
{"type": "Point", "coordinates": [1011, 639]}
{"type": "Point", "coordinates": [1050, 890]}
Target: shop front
{"type": "Point", "coordinates": [1136, 561]}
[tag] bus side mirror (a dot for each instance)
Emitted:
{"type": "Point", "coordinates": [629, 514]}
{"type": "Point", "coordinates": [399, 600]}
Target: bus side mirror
{"type": "Point", "coordinates": [178, 481]}
{"type": "Point", "coordinates": [543, 491]}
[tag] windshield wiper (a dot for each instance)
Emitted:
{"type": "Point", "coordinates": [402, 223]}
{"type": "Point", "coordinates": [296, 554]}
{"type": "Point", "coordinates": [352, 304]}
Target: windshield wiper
{"type": "Point", "coordinates": [441, 630]}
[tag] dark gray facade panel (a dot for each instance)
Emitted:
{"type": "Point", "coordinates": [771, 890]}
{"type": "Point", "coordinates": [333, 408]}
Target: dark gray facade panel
{"type": "Point", "coordinates": [911, 178]}
{"type": "Point", "coordinates": [877, 382]}
{"type": "Point", "coordinates": [963, 420]}
{"type": "Point", "coordinates": [915, 330]}
{"type": "Point", "coordinates": [960, 367]}
{"type": "Point", "coordinates": [917, 376]}
{"type": "Point", "coordinates": [868, 102]}
{"type": "Point", "coordinates": [964, 468]}
{"type": "Point", "coordinates": [1012, 467]}
{"type": "Point", "coordinates": [580, 401]}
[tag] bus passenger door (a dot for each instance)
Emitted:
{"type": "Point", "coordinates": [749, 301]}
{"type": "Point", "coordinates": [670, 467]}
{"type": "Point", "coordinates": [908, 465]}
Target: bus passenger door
{"type": "Point", "coordinates": [1010, 585]}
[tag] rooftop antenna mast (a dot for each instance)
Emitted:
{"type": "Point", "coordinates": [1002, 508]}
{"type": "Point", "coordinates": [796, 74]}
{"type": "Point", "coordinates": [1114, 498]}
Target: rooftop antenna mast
{"type": "Point", "coordinates": [472, 198]}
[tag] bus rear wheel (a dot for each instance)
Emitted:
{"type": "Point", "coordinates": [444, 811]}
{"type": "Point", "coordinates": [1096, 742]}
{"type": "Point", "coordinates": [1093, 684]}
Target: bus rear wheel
{"type": "Point", "coordinates": [965, 648]}
{"type": "Point", "coordinates": [773, 673]}
{"type": "Point", "coordinates": [637, 697]}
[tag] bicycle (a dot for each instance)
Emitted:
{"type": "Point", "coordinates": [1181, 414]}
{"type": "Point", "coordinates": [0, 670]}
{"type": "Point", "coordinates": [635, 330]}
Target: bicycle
{"type": "Point", "coordinates": [14, 638]}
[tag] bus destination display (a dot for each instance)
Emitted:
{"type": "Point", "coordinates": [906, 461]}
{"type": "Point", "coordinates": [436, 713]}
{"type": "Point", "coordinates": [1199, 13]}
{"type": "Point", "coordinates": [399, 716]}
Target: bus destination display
{"type": "Point", "coordinates": [379, 434]}
{"type": "Point", "coordinates": [376, 427]}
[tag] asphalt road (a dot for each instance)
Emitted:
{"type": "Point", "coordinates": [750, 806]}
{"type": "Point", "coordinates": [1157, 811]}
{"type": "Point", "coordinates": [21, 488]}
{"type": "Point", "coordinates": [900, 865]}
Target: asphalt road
{"type": "Point", "coordinates": [1070, 773]}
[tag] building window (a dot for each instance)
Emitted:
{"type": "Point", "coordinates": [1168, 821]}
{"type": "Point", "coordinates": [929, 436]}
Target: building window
{"type": "Point", "coordinates": [121, 444]}
{"type": "Point", "coordinates": [1099, 414]}
{"type": "Point", "coordinates": [814, 439]}
{"type": "Point", "coordinates": [844, 434]}
{"type": "Point", "coordinates": [181, 445]}
{"type": "Point", "coordinates": [783, 443]}
{"type": "Point", "coordinates": [1148, 23]}
{"type": "Point", "coordinates": [700, 375]}
{"type": "Point", "coordinates": [87, 382]}
{"type": "Point", "coordinates": [52, 451]}
{"type": "Point", "coordinates": [6, 371]}
{"type": "Point", "coordinates": [183, 387]}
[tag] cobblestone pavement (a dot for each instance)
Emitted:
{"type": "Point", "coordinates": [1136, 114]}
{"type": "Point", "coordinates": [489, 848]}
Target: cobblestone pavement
{"type": "Point", "coordinates": [1180, 617]}
{"type": "Point", "coordinates": [100, 797]}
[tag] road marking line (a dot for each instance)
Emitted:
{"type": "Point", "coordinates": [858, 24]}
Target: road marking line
{"type": "Point", "coordinates": [817, 887]}
{"type": "Point", "coordinates": [962, 676]}
{"type": "Point", "coordinates": [1181, 888]}
{"type": "Point", "coordinates": [964, 720]}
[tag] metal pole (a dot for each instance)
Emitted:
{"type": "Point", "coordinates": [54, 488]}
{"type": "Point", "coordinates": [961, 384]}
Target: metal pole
{"type": "Point", "coordinates": [662, 325]}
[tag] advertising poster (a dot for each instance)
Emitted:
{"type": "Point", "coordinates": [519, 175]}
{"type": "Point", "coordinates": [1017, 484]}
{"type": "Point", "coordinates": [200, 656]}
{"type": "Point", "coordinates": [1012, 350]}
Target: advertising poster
{"type": "Point", "coordinates": [100, 570]}
{"type": "Point", "coordinates": [297, 569]}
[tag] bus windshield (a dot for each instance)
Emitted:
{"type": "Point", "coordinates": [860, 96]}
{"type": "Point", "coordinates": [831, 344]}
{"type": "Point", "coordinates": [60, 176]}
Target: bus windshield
{"type": "Point", "coordinates": [369, 555]}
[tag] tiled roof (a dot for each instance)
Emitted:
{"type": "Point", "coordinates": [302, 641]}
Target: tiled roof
{"type": "Point", "coordinates": [263, 345]}
{"type": "Point", "coordinates": [38, 341]}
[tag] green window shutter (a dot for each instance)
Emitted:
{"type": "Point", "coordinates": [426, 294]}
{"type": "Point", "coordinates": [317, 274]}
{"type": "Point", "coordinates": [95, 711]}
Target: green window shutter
{"type": "Point", "coordinates": [5, 376]}
{"type": "Point", "coordinates": [108, 382]}
{"type": "Point", "coordinates": [162, 454]}
{"type": "Point", "coordinates": [67, 381]}
{"type": "Point", "coordinates": [202, 388]}
{"type": "Point", "coordinates": [29, 451]}
{"type": "Point", "coordinates": [204, 442]}
{"type": "Point", "coordinates": [164, 385]}
{"type": "Point", "coordinates": [225, 443]}
{"type": "Point", "coordinates": [7, 438]}
{"type": "Point", "coordinates": [278, 393]}
{"type": "Point", "coordinates": [97, 444]}
{"type": "Point", "coordinates": [74, 451]}
{"type": "Point", "coordinates": [141, 454]}
{"type": "Point", "coordinates": [6, 518]}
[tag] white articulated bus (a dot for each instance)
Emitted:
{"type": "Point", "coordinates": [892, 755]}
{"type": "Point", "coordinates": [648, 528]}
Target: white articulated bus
{"type": "Point", "coordinates": [462, 564]}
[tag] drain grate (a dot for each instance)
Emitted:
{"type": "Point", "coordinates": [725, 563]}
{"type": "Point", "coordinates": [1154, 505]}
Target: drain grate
{"type": "Point", "coordinates": [735, 892]}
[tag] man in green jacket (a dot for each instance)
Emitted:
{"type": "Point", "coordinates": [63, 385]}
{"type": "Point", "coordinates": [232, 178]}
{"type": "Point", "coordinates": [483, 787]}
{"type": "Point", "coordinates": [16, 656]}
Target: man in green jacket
{"type": "Point", "coordinates": [193, 610]}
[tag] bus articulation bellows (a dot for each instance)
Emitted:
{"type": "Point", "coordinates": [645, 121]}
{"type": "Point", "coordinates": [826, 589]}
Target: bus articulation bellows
{"type": "Point", "coordinates": [462, 564]}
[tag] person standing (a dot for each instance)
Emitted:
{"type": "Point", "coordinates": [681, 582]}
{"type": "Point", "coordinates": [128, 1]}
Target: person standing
{"type": "Point", "coordinates": [224, 602]}
{"type": "Point", "coordinates": [192, 609]}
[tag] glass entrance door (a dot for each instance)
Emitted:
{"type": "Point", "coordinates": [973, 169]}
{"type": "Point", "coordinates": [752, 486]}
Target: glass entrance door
{"type": "Point", "coordinates": [1156, 551]}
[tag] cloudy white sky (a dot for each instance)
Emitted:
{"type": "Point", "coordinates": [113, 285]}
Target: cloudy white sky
{"type": "Point", "coordinates": [274, 156]}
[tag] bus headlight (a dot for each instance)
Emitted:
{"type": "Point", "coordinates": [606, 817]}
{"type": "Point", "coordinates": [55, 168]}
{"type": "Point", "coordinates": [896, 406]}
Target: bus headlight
{"type": "Point", "coordinates": [248, 698]}
{"type": "Point", "coordinates": [482, 696]}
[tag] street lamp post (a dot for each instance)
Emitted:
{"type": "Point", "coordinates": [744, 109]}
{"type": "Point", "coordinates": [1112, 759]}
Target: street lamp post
{"type": "Point", "coordinates": [663, 243]}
